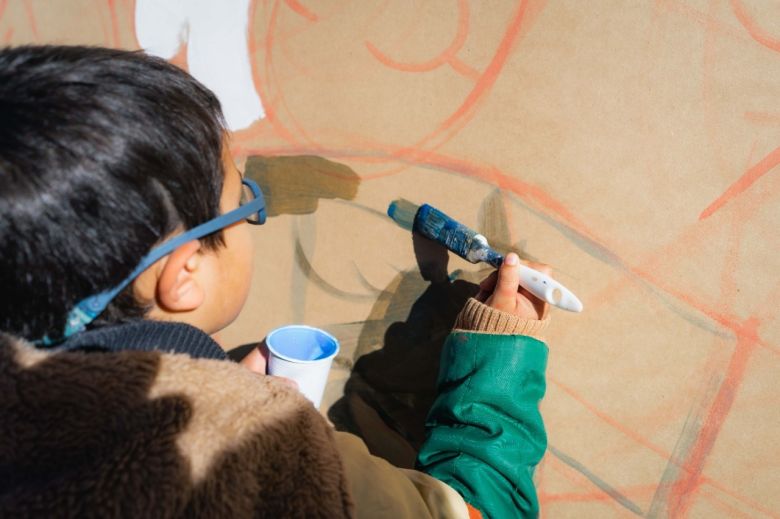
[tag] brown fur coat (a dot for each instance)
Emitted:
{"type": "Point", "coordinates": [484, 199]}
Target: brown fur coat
{"type": "Point", "coordinates": [149, 434]}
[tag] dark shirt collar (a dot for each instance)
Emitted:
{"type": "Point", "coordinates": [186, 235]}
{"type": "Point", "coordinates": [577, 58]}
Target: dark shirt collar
{"type": "Point", "coordinates": [147, 335]}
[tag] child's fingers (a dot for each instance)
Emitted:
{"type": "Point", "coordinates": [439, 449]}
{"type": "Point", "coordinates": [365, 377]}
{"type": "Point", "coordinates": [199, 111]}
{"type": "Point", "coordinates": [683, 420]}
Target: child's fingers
{"type": "Point", "coordinates": [486, 287]}
{"type": "Point", "coordinates": [526, 306]}
{"type": "Point", "coordinates": [489, 283]}
{"type": "Point", "coordinates": [501, 289]}
{"type": "Point", "coordinates": [256, 361]}
{"type": "Point", "coordinates": [525, 293]}
{"type": "Point", "coordinates": [535, 307]}
{"type": "Point", "coordinates": [505, 293]}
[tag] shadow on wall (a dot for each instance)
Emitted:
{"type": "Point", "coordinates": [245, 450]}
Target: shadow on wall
{"type": "Point", "coordinates": [396, 361]}
{"type": "Point", "coordinates": [393, 382]}
{"type": "Point", "coordinates": [393, 356]}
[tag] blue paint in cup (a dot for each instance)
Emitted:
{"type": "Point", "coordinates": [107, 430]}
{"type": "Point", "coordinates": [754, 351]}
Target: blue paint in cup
{"type": "Point", "coordinates": [303, 354]}
{"type": "Point", "coordinates": [300, 343]}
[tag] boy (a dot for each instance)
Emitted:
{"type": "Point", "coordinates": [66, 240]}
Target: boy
{"type": "Point", "coordinates": [125, 244]}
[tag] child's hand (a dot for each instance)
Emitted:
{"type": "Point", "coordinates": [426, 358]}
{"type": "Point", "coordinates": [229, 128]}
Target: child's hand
{"type": "Point", "coordinates": [502, 291]}
{"type": "Point", "coordinates": [257, 361]}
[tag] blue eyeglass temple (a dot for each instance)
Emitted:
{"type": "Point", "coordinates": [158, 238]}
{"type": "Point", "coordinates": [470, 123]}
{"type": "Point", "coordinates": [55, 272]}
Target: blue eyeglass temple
{"type": "Point", "coordinates": [88, 309]}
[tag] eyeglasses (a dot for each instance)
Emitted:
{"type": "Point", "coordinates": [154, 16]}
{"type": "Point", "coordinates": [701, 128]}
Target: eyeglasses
{"type": "Point", "coordinates": [251, 200]}
{"type": "Point", "coordinates": [251, 208]}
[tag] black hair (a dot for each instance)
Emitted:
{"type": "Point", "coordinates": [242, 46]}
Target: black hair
{"type": "Point", "coordinates": [103, 152]}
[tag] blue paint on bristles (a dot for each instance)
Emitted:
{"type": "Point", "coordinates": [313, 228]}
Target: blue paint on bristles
{"type": "Point", "coordinates": [402, 212]}
{"type": "Point", "coordinates": [463, 241]}
{"type": "Point", "coordinates": [437, 226]}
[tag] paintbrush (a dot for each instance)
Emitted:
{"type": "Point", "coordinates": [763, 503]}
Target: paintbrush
{"type": "Point", "coordinates": [473, 247]}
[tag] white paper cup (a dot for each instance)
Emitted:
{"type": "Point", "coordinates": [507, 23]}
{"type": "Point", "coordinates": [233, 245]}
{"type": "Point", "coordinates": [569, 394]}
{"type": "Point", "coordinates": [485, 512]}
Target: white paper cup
{"type": "Point", "coordinates": [303, 354]}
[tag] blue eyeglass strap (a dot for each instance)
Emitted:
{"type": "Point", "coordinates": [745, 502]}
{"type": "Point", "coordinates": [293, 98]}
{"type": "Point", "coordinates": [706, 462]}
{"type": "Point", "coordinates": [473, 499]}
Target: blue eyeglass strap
{"type": "Point", "coordinates": [88, 309]}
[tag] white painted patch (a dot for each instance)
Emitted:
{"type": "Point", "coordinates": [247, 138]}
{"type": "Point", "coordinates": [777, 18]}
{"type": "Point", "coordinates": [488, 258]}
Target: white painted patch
{"type": "Point", "coordinates": [217, 52]}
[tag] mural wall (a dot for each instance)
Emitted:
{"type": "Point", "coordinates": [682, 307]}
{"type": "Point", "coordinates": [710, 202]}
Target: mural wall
{"type": "Point", "coordinates": [632, 145]}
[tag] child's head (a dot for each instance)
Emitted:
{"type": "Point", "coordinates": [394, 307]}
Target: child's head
{"type": "Point", "coordinates": [103, 153]}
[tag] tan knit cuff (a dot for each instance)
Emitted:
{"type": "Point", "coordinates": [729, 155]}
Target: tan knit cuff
{"type": "Point", "coordinates": [479, 317]}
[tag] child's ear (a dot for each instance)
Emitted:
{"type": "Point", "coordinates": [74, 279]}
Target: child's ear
{"type": "Point", "coordinates": [178, 289]}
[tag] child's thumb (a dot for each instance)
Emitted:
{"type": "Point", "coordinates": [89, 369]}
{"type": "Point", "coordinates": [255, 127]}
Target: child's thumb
{"type": "Point", "coordinates": [505, 293]}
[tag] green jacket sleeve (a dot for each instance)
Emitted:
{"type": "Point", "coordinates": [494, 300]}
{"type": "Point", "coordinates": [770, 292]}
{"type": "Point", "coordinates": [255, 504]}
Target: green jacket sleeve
{"type": "Point", "coordinates": [484, 432]}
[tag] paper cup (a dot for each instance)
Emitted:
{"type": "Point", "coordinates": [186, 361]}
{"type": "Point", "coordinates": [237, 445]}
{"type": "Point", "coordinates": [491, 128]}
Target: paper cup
{"type": "Point", "coordinates": [304, 354]}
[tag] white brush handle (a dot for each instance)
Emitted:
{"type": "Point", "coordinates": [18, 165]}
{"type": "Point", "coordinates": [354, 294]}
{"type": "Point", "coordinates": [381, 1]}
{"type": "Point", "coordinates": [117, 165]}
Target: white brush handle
{"type": "Point", "coordinates": [547, 289]}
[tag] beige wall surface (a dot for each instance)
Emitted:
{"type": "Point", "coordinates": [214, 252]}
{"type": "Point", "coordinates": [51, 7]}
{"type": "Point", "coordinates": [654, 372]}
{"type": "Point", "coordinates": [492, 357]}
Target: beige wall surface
{"type": "Point", "coordinates": [633, 145]}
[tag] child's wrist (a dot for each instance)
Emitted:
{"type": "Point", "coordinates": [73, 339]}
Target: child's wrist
{"type": "Point", "coordinates": [479, 317]}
